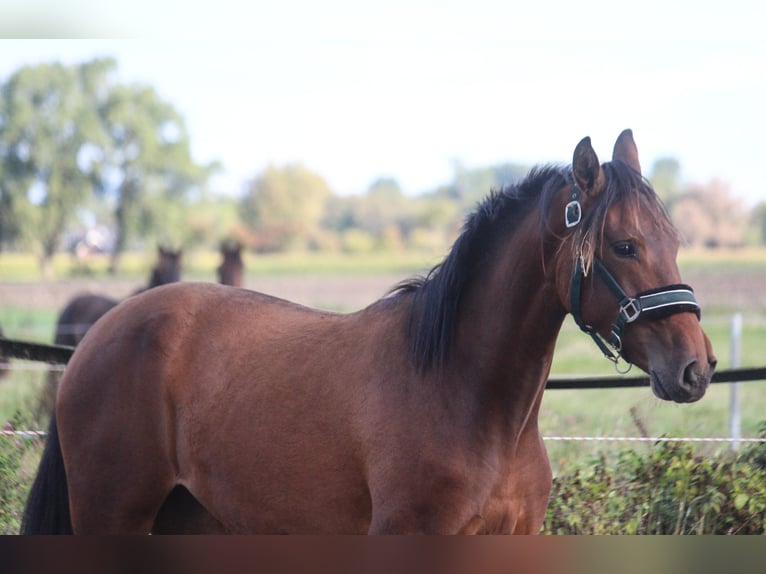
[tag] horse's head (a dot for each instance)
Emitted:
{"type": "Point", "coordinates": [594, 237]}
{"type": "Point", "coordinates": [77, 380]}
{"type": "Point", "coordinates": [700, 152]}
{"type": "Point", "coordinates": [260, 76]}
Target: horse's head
{"type": "Point", "coordinates": [620, 279]}
{"type": "Point", "coordinates": [168, 268]}
{"type": "Point", "coordinates": [231, 268]}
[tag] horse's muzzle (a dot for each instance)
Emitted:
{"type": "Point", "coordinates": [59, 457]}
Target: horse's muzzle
{"type": "Point", "coordinates": [687, 386]}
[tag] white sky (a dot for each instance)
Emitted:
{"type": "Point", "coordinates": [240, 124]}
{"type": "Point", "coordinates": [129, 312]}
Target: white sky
{"type": "Point", "coordinates": [357, 90]}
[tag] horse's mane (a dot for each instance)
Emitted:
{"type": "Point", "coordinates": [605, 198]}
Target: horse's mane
{"type": "Point", "coordinates": [437, 295]}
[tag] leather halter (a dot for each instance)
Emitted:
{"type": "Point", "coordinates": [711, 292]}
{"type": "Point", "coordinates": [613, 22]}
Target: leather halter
{"type": "Point", "coordinates": [652, 304]}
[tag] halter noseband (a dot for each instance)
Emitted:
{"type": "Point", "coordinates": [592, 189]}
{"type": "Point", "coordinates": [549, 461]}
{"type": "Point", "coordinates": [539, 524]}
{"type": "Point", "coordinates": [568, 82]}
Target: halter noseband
{"type": "Point", "coordinates": [652, 304]}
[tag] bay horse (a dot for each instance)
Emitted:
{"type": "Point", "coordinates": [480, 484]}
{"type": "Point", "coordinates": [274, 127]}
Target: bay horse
{"type": "Point", "coordinates": [231, 269]}
{"type": "Point", "coordinates": [204, 408]}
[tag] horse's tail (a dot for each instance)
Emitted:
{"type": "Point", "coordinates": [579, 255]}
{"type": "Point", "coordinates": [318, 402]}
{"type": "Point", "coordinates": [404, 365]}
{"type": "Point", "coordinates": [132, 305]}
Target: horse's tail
{"type": "Point", "coordinates": [47, 509]}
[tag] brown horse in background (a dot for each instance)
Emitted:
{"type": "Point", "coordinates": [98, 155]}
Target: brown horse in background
{"type": "Point", "coordinates": [231, 269]}
{"type": "Point", "coordinates": [200, 408]}
{"type": "Point", "coordinates": [81, 312]}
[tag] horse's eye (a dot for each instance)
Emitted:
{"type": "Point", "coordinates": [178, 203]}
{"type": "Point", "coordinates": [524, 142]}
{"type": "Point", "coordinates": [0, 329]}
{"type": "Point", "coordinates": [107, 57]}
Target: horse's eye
{"type": "Point", "coordinates": [624, 249]}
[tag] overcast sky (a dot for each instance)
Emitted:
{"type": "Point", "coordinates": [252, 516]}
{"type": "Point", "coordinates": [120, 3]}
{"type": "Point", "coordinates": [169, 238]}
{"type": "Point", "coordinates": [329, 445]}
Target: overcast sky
{"type": "Point", "coordinates": [403, 89]}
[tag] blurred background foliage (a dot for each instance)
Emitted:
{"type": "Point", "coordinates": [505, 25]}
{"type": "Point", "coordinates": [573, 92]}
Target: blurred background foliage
{"type": "Point", "coordinates": [90, 165]}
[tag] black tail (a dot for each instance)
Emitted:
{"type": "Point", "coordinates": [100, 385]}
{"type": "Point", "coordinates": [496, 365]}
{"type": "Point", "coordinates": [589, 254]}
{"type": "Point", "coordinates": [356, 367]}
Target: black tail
{"type": "Point", "coordinates": [47, 510]}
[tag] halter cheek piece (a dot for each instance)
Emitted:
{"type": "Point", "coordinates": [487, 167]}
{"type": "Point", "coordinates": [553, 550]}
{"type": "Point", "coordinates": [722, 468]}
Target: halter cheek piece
{"type": "Point", "coordinates": [652, 304]}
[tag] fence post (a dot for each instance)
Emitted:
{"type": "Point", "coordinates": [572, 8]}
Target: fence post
{"type": "Point", "coordinates": [735, 416]}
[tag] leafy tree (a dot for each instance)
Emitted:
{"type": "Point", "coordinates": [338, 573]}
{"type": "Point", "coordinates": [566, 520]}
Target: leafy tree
{"type": "Point", "coordinates": [710, 216]}
{"type": "Point", "coordinates": [758, 222]}
{"type": "Point", "coordinates": [284, 207]}
{"type": "Point", "coordinates": [67, 131]}
{"type": "Point", "coordinates": [46, 123]}
{"type": "Point", "coordinates": [470, 186]}
{"type": "Point", "coordinates": [145, 161]}
{"type": "Point", "coordinates": [385, 213]}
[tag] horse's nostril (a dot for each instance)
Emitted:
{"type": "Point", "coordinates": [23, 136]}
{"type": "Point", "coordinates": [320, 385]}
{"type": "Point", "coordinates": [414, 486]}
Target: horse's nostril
{"type": "Point", "coordinates": [712, 363]}
{"type": "Point", "coordinates": [691, 376]}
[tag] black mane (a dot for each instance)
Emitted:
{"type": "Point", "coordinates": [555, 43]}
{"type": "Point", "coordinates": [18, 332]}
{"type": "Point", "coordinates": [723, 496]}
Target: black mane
{"type": "Point", "coordinates": [437, 296]}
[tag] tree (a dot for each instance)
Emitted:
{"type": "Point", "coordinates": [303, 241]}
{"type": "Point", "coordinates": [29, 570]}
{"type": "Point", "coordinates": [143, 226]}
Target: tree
{"type": "Point", "coordinates": [710, 216]}
{"type": "Point", "coordinates": [284, 207]}
{"type": "Point", "coordinates": [666, 180]}
{"type": "Point", "coordinates": [470, 186]}
{"type": "Point", "coordinates": [758, 222]}
{"type": "Point", "coordinates": [385, 213]}
{"type": "Point", "coordinates": [46, 123]}
{"type": "Point", "coordinates": [145, 161]}
{"type": "Point", "coordinates": [69, 131]}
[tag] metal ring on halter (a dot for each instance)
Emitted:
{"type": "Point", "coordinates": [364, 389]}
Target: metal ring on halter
{"type": "Point", "coordinates": [617, 368]}
{"type": "Point", "coordinates": [616, 342]}
{"type": "Point", "coordinates": [572, 213]}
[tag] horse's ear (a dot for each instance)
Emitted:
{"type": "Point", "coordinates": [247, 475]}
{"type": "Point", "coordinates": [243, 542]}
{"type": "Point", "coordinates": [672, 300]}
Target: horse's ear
{"type": "Point", "coordinates": [587, 169]}
{"type": "Point", "coordinates": [625, 150]}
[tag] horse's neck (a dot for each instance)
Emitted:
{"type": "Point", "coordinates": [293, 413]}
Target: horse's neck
{"type": "Point", "coordinates": [508, 327]}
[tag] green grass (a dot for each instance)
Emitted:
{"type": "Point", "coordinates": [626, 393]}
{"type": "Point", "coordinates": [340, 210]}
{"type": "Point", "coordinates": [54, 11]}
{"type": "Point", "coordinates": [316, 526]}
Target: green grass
{"type": "Point", "coordinates": [19, 395]}
{"type": "Point", "coordinates": [29, 323]}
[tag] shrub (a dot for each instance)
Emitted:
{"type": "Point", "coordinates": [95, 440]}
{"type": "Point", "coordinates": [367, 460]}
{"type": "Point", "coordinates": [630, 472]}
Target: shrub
{"type": "Point", "coordinates": [668, 491]}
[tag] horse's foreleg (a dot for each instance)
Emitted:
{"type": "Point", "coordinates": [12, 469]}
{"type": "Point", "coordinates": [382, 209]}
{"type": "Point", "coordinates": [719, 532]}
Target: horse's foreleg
{"type": "Point", "coordinates": [530, 483]}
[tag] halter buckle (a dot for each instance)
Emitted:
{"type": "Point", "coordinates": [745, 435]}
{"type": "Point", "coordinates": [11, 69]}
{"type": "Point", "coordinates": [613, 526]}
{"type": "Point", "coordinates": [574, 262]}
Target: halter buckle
{"type": "Point", "coordinates": [631, 310]}
{"type": "Point", "coordinates": [573, 213]}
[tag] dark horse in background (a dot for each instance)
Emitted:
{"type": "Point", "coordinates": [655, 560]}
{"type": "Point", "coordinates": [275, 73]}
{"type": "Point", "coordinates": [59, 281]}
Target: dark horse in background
{"type": "Point", "coordinates": [196, 407]}
{"type": "Point", "coordinates": [84, 310]}
{"type": "Point", "coordinates": [231, 269]}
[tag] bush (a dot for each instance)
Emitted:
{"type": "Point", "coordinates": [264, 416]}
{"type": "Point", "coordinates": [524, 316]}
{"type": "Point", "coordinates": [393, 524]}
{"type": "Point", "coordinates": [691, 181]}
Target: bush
{"type": "Point", "coordinates": [668, 491]}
